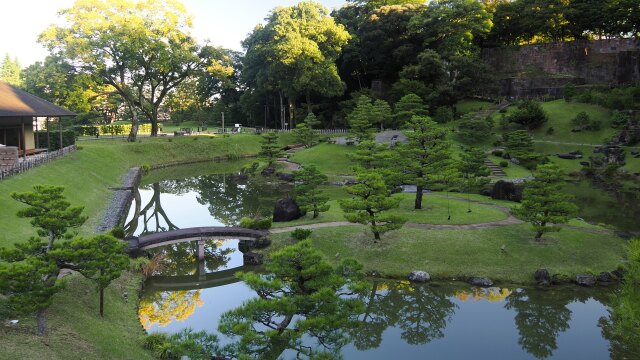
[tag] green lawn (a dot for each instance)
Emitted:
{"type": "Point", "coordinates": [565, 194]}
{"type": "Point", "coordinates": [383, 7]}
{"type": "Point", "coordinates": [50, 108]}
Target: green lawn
{"type": "Point", "coordinates": [75, 329]}
{"type": "Point", "coordinates": [463, 253]}
{"type": "Point", "coordinates": [436, 209]}
{"type": "Point", "coordinates": [560, 114]}
{"type": "Point", "coordinates": [472, 105]}
{"type": "Point", "coordinates": [512, 170]}
{"type": "Point", "coordinates": [331, 159]}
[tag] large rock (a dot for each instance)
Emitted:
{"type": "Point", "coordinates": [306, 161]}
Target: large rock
{"type": "Point", "coordinates": [286, 210]}
{"type": "Point", "coordinates": [505, 190]}
{"type": "Point", "coordinates": [586, 280]}
{"type": "Point", "coordinates": [605, 277]}
{"type": "Point", "coordinates": [285, 177]}
{"type": "Point", "coordinates": [268, 171]}
{"type": "Point", "coordinates": [252, 258]}
{"type": "Point", "coordinates": [542, 277]}
{"type": "Point", "coordinates": [419, 276]}
{"type": "Point", "coordinates": [479, 281]}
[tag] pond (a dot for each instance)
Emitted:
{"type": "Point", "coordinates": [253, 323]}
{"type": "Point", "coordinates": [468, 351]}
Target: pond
{"type": "Point", "coordinates": [444, 320]}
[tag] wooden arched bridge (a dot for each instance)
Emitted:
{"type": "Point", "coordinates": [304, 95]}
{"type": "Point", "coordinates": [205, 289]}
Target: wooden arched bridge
{"type": "Point", "coordinates": [199, 234]}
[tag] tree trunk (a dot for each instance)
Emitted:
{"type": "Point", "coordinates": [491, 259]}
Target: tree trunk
{"type": "Point", "coordinates": [376, 233]}
{"type": "Point", "coordinates": [134, 125]}
{"type": "Point", "coordinates": [101, 302]}
{"type": "Point", "coordinates": [154, 123]}
{"type": "Point", "coordinates": [40, 320]}
{"type": "Point", "coordinates": [292, 106]}
{"type": "Point", "coordinates": [308, 103]}
{"type": "Point", "coordinates": [418, 203]}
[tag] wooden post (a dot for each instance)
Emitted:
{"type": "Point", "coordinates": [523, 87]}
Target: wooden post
{"type": "Point", "coordinates": [48, 136]}
{"type": "Point", "coordinates": [36, 135]}
{"type": "Point", "coordinates": [60, 131]}
{"type": "Point", "coordinates": [24, 141]}
{"type": "Point", "coordinates": [202, 274]}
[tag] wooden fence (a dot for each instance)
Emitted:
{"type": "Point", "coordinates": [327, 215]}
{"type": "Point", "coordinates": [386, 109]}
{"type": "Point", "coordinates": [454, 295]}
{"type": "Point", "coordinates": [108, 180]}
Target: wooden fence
{"type": "Point", "coordinates": [34, 161]}
{"type": "Point", "coordinates": [319, 131]}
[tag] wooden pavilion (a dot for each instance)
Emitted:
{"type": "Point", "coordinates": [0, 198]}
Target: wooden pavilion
{"type": "Point", "coordinates": [19, 113]}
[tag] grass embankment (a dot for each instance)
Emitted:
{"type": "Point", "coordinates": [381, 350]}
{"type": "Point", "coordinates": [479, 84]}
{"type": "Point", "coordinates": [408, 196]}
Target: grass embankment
{"type": "Point", "coordinates": [463, 253]}
{"type": "Point", "coordinates": [88, 173]}
{"type": "Point", "coordinates": [76, 331]}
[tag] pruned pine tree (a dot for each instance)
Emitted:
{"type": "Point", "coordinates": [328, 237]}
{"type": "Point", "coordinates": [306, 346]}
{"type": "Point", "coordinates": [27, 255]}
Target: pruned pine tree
{"type": "Point", "coordinates": [360, 120]}
{"type": "Point", "coordinates": [270, 150]}
{"type": "Point", "coordinates": [426, 156]}
{"type": "Point", "coordinates": [544, 204]}
{"type": "Point", "coordinates": [370, 199]}
{"type": "Point", "coordinates": [308, 196]}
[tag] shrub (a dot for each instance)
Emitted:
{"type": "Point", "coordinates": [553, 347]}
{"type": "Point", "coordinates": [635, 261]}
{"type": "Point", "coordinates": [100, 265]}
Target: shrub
{"type": "Point", "coordinates": [619, 119]}
{"type": "Point", "coordinates": [529, 114]}
{"type": "Point", "coordinates": [497, 153]}
{"type": "Point", "coordinates": [118, 232]}
{"type": "Point", "coordinates": [255, 224]}
{"type": "Point", "coordinates": [504, 164]}
{"type": "Point", "coordinates": [301, 234]}
{"type": "Point", "coordinates": [68, 138]}
{"type": "Point", "coordinates": [551, 130]}
{"type": "Point", "coordinates": [569, 92]}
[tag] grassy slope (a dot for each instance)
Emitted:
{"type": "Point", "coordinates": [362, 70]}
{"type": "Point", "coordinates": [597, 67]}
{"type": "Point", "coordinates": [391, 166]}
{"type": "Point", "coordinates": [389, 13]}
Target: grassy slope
{"type": "Point", "coordinates": [463, 253]}
{"type": "Point", "coordinates": [88, 173]}
{"type": "Point", "coordinates": [330, 159]}
{"type": "Point", "coordinates": [75, 328]}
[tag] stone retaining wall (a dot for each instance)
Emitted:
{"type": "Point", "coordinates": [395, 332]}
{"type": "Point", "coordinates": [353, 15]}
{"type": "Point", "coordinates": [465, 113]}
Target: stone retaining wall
{"type": "Point", "coordinates": [120, 201]}
{"type": "Point", "coordinates": [8, 157]}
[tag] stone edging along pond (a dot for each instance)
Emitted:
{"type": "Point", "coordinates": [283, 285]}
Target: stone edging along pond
{"type": "Point", "coordinates": [117, 210]}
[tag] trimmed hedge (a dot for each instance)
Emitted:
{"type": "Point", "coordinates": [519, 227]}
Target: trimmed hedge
{"type": "Point", "coordinates": [112, 130]}
{"type": "Point", "coordinates": [68, 138]}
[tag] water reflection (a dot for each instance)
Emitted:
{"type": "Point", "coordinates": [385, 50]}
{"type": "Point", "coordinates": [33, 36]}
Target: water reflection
{"type": "Point", "coordinates": [211, 200]}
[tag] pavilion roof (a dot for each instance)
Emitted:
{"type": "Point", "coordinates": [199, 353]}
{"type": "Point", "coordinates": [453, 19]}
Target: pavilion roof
{"type": "Point", "coordinates": [17, 103]}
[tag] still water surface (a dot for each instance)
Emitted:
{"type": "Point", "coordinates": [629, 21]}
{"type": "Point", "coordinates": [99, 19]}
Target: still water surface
{"type": "Point", "coordinates": [442, 320]}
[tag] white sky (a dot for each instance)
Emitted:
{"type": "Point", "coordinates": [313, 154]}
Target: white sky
{"type": "Point", "coordinates": [224, 22]}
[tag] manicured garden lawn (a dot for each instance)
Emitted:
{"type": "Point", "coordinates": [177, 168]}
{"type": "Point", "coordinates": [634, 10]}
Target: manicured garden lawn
{"type": "Point", "coordinates": [330, 159]}
{"type": "Point", "coordinates": [463, 253]}
{"type": "Point", "coordinates": [88, 173]}
{"type": "Point", "coordinates": [560, 114]}
{"type": "Point", "coordinates": [436, 209]}
{"type": "Point", "coordinates": [75, 329]}
{"type": "Point", "coordinates": [472, 105]}
{"type": "Point", "coordinates": [512, 170]}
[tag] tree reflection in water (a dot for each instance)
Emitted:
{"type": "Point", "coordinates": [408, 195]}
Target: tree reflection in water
{"type": "Point", "coordinates": [541, 317]}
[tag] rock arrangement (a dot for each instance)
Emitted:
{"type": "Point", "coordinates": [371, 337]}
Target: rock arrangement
{"type": "Point", "coordinates": [506, 190]}
{"type": "Point", "coordinates": [419, 276]}
{"type": "Point", "coordinates": [286, 210]}
{"type": "Point", "coordinates": [543, 278]}
{"type": "Point", "coordinates": [480, 281]}
{"type": "Point", "coordinates": [120, 201]}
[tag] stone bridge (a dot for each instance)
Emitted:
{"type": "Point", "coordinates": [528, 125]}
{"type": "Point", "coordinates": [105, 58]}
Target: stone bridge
{"type": "Point", "coordinates": [198, 234]}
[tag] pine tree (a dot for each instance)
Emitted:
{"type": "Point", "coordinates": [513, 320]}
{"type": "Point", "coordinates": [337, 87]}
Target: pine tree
{"type": "Point", "coordinates": [544, 204]}
{"type": "Point", "coordinates": [381, 113]}
{"type": "Point", "coordinates": [360, 120]}
{"type": "Point", "coordinates": [10, 71]}
{"type": "Point", "coordinates": [301, 295]}
{"type": "Point", "coordinates": [407, 107]}
{"type": "Point", "coordinates": [379, 157]}
{"type": "Point", "coordinates": [28, 274]}
{"type": "Point", "coordinates": [100, 259]}
{"type": "Point", "coordinates": [308, 196]}
{"type": "Point", "coordinates": [472, 168]}
{"type": "Point", "coordinates": [304, 133]}
{"type": "Point", "coordinates": [371, 197]}
{"type": "Point", "coordinates": [426, 156]}
{"type": "Point", "coordinates": [270, 150]}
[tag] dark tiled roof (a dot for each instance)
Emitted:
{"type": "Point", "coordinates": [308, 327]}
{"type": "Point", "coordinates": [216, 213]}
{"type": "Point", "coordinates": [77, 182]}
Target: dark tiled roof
{"type": "Point", "coordinates": [15, 103]}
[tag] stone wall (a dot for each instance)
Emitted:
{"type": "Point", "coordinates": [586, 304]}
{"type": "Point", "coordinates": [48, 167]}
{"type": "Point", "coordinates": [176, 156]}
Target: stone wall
{"type": "Point", "coordinates": [8, 157]}
{"type": "Point", "coordinates": [544, 69]}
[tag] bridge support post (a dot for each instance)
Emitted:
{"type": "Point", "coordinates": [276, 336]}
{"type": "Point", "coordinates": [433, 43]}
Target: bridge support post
{"type": "Point", "coordinates": [200, 250]}
{"type": "Point", "coordinates": [202, 272]}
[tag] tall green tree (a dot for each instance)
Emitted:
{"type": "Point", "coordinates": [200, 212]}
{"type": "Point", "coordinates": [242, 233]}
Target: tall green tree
{"type": "Point", "coordinates": [426, 156]}
{"type": "Point", "coordinates": [301, 295]}
{"type": "Point", "coordinates": [294, 53]}
{"type": "Point", "coordinates": [143, 49]}
{"type": "Point", "coordinates": [308, 196]}
{"type": "Point", "coordinates": [544, 204]}
{"type": "Point", "coordinates": [10, 71]}
{"type": "Point", "coordinates": [472, 168]}
{"type": "Point", "coordinates": [381, 114]}
{"type": "Point", "coordinates": [371, 197]}
{"type": "Point", "coordinates": [100, 259]}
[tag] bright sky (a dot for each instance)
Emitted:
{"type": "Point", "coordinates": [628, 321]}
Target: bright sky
{"type": "Point", "coordinates": [224, 22]}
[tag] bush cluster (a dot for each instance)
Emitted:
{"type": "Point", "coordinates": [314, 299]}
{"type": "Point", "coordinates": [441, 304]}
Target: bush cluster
{"type": "Point", "coordinates": [256, 224]}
